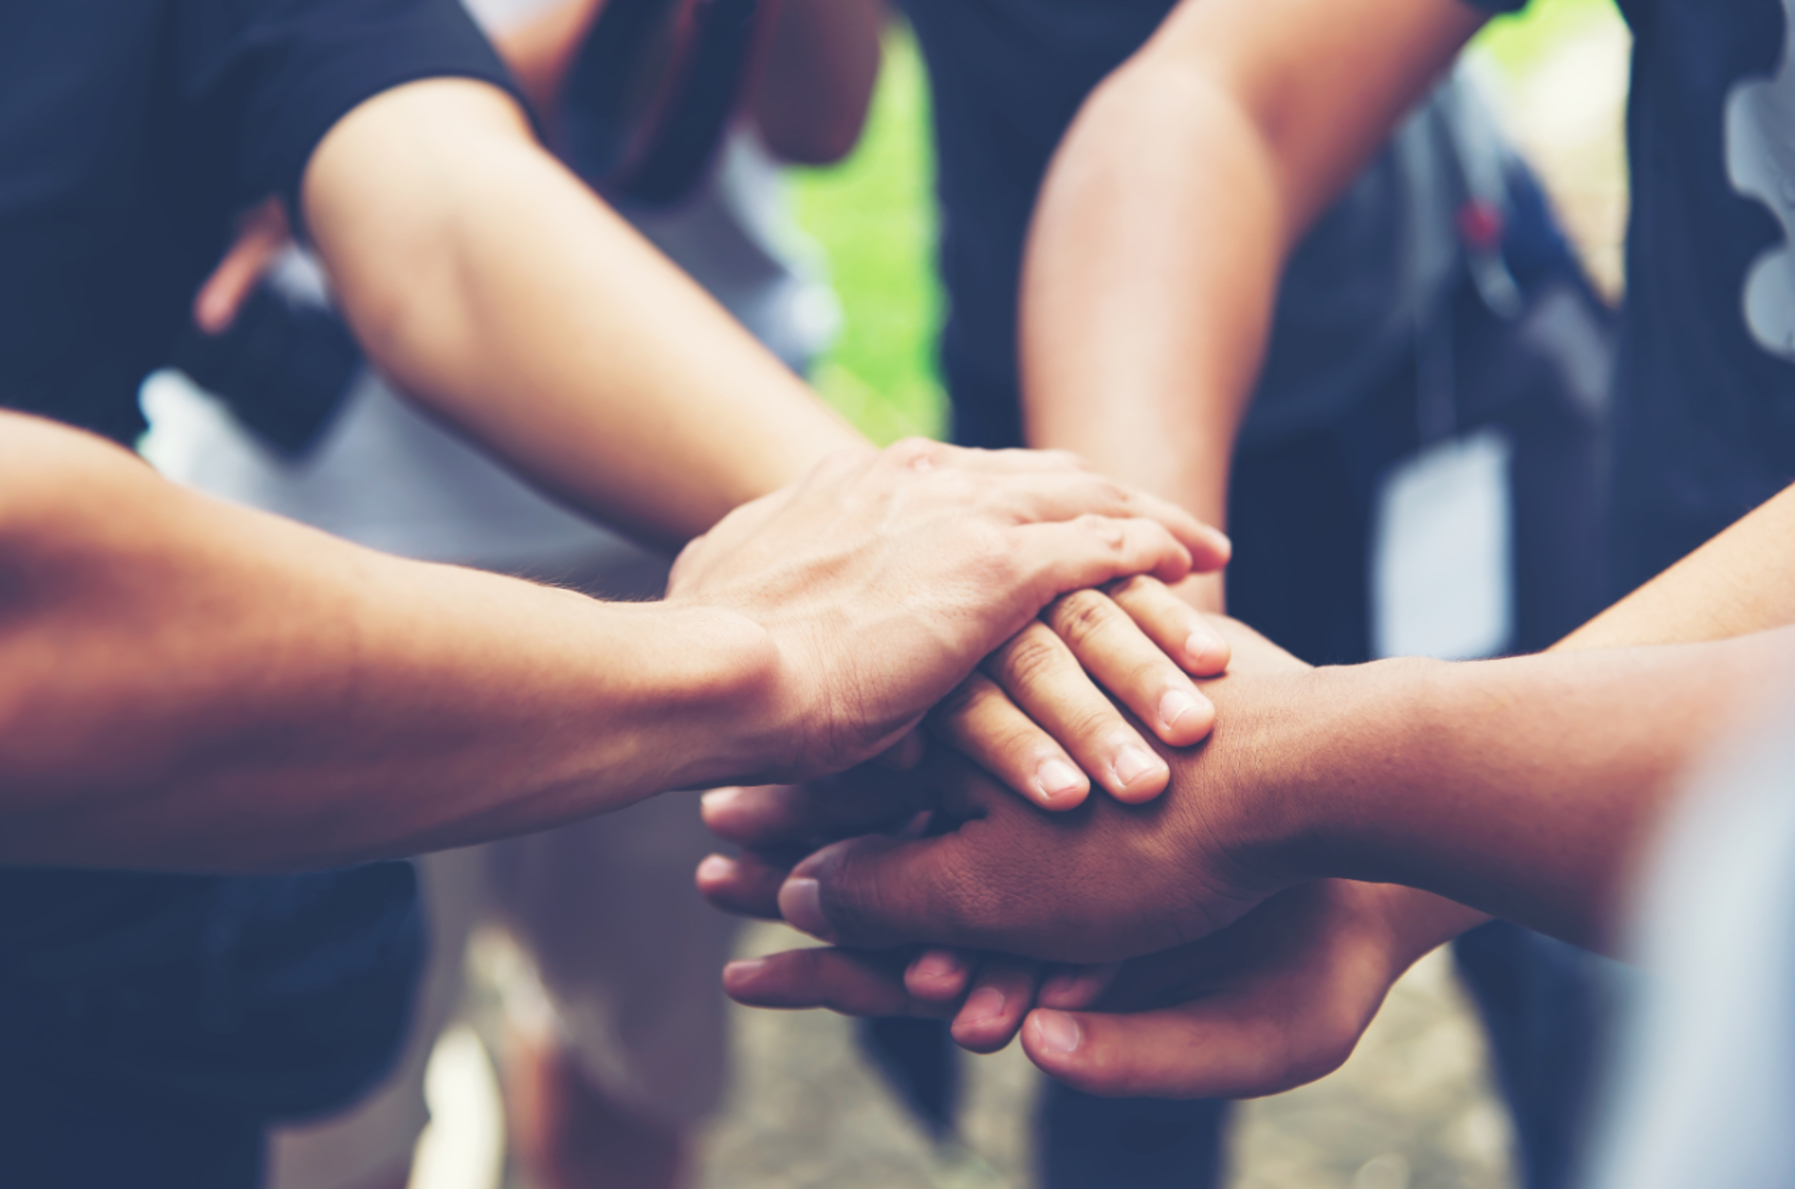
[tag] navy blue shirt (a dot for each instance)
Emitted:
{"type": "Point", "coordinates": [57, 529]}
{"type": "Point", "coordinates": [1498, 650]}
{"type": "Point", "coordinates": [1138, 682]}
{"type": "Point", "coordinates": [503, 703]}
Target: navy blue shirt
{"type": "Point", "coordinates": [1705, 409]}
{"type": "Point", "coordinates": [132, 131]}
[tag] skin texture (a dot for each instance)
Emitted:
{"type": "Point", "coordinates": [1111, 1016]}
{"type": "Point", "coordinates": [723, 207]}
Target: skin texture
{"type": "Point", "coordinates": [192, 686]}
{"type": "Point", "coordinates": [1528, 788]}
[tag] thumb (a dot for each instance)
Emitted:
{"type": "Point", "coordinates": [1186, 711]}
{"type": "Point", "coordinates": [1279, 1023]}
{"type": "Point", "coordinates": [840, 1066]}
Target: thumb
{"type": "Point", "coordinates": [1221, 1046]}
{"type": "Point", "coordinates": [879, 892]}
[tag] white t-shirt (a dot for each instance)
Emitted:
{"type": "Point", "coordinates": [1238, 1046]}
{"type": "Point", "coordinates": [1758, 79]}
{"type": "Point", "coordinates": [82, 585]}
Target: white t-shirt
{"type": "Point", "coordinates": [387, 476]}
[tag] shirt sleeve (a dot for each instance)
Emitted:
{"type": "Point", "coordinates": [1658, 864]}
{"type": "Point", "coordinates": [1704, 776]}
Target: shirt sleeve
{"type": "Point", "coordinates": [267, 79]}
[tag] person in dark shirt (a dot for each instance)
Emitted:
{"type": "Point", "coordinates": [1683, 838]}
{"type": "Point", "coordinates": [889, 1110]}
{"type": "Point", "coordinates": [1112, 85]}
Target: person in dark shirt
{"type": "Point", "coordinates": [191, 689]}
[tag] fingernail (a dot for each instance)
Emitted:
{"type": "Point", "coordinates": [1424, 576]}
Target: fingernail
{"type": "Point", "coordinates": [937, 964]}
{"type": "Point", "coordinates": [801, 904]}
{"type": "Point", "coordinates": [716, 867]}
{"type": "Point", "coordinates": [718, 799]}
{"type": "Point", "coordinates": [746, 968]}
{"type": "Point", "coordinates": [986, 1003]}
{"type": "Point", "coordinates": [1134, 762]}
{"type": "Point", "coordinates": [1059, 780]}
{"type": "Point", "coordinates": [1174, 706]}
{"type": "Point", "coordinates": [1202, 644]}
{"type": "Point", "coordinates": [1058, 1031]}
{"type": "Point", "coordinates": [1063, 983]}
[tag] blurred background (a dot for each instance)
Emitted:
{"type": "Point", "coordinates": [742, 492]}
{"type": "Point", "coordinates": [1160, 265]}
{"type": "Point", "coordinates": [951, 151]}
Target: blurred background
{"type": "Point", "coordinates": [1414, 1108]}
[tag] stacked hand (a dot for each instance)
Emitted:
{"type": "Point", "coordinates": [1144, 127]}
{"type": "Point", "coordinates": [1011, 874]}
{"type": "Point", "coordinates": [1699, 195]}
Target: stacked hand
{"type": "Point", "coordinates": [1230, 982]}
{"type": "Point", "coordinates": [884, 579]}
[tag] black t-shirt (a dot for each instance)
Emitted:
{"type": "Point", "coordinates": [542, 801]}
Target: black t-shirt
{"type": "Point", "coordinates": [1705, 426]}
{"type": "Point", "coordinates": [132, 131]}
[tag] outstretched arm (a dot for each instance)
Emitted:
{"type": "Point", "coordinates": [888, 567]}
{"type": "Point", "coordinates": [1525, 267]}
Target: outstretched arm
{"type": "Point", "coordinates": [189, 685]}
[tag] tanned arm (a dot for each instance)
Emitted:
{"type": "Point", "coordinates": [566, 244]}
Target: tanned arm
{"type": "Point", "coordinates": [189, 685]}
{"type": "Point", "coordinates": [1172, 205]}
{"type": "Point", "coordinates": [488, 283]}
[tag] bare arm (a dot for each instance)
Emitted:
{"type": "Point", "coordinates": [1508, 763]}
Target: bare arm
{"type": "Point", "coordinates": [488, 282]}
{"type": "Point", "coordinates": [1523, 787]}
{"type": "Point", "coordinates": [1172, 205]}
{"type": "Point", "coordinates": [189, 685]}
{"type": "Point", "coordinates": [186, 684]}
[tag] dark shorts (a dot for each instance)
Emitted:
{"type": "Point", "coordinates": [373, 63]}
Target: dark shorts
{"type": "Point", "coordinates": [152, 1027]}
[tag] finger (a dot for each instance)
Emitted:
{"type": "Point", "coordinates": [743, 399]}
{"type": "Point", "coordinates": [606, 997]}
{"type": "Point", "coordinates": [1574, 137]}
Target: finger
{"type": "Point", "coordinates": [1217, 1047]}
{"type": "Point", "coordinates": [980, 721]}
{"type": "Point", "coordinates": [781, 817]}
{"type": "Point", "coordinates": [879, 893]}
{"type": "Point", "coordinates": [1092, 550]}
{"type": "Point", "coordinates": [1209, 546]}
{"type": "Point", "coordinates": [263, 236]}
{"type": "Point", "coordinates": [1056, 495]}
{"type": "Point", "coordinates": [1179, 629]}
{"type": "Point", "coordinates": [939, 976]}
{"type": "Point", "coordinates": [1109, 645]}
{"type": "Point", "coordinates": [1073, 988]}
{"type": "Point", "coordinates": [1040, 673]}
{"type": "Point", "coordinates": [990, 462]}
{"type": "Point", "coordinates": [1002, 993]}
{"type": "Point", "coordinates": [845, 981]}
{"type": "Point", "coordinates": [746, 886]}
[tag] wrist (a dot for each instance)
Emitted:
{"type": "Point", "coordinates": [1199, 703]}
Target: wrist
{"type": "Point", "coordinates": [720, 683]}
{"type": "Point", "coordinates": [1368, 732]}
{"type": "Point", "coordinates": [1322, 766]}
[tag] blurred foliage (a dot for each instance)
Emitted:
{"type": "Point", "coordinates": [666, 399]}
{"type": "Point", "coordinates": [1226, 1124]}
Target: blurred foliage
{"type": "Point", "coordinates": [874, 216]}
{"type": "Point", "coordinates": [1519, 40]}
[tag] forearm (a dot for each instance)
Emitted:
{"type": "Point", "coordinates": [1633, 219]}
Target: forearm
{"type": "Point", "coordinates": [1527, 788]}
{"type": "Point", "coordinates": [1152, 268]}
{"type": "Point", "coordinates": [488, 282]}
{"type": "Point", "coordinates": [187, 685]}
{"type": "Point", "coordinates": [1741, 581]}
{"type": "Point", "coordinates": [1171, 207]}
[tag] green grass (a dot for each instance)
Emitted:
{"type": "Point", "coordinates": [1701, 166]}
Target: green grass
{"type": "Point", "coordinates": [875, 218]}
{"type": "Point", "coordinates": [1520, 40]}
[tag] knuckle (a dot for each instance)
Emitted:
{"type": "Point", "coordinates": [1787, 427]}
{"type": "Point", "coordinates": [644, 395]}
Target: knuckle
{"type": "Point", "coordinates": [1031, 657]}
{"type": "Point", "coordinates": [1081, 616]}
{"type": "Point", "coordinates": [1105, 531]}
{"type": "Point", "coordinates": [1134, 588]}
{"type": "Point", "coordinates": [915, 454]}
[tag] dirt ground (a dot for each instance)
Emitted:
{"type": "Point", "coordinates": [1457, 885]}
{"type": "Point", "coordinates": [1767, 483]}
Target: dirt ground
{"type": "Point", "coordinates": [1411, 1110]}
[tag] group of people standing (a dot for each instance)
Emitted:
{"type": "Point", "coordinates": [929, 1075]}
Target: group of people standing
{"type": "Point", "coordinates": [1254, 260]}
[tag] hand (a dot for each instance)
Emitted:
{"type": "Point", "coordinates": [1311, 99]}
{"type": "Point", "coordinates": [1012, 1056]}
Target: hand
{"type": "Point", "coordinates": [1103, 883]}
{"type": "Point", "coordinates": [883, 580]}
{"type": "Point", "coordinates": [1137, 640]}
{"type": "Point", "coordinates": [1278, 999]}
{"type": "Point", "coordinates": [262, 235]}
